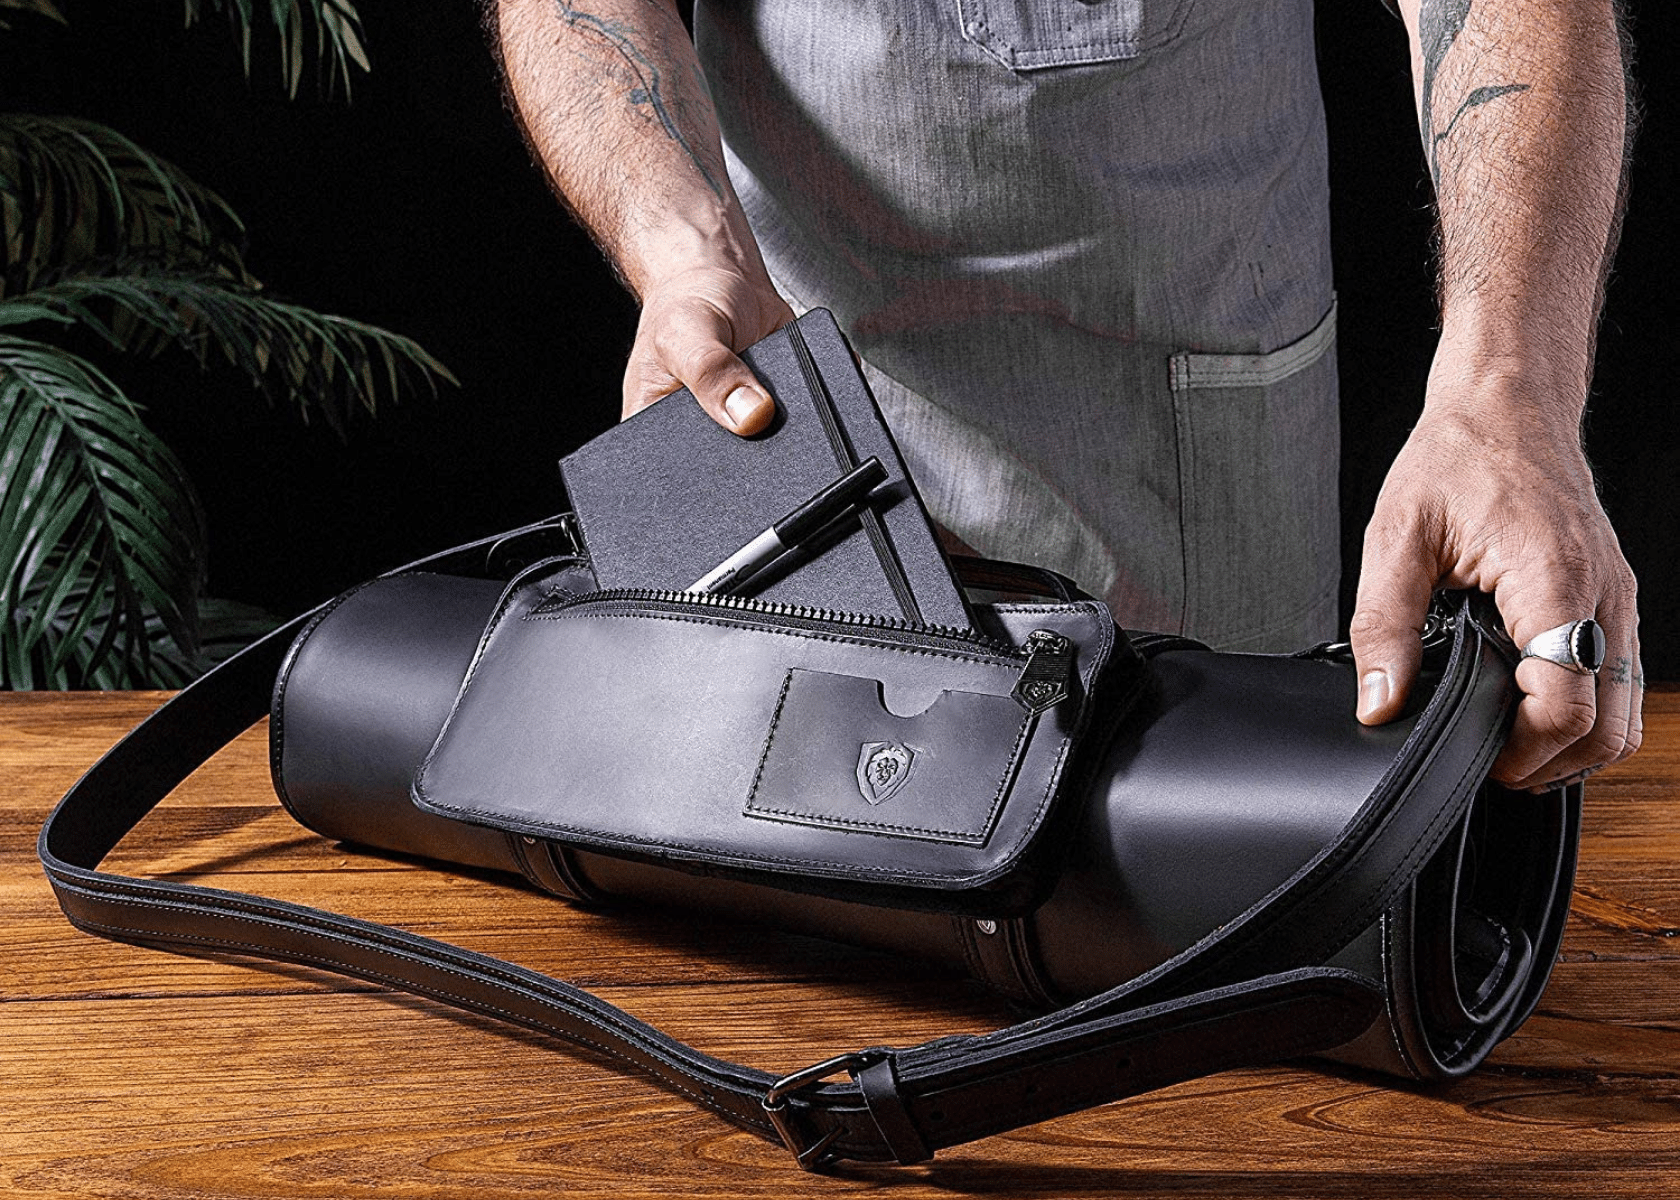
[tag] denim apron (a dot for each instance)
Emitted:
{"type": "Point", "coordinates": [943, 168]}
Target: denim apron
{"type": "Point", "coordinates": [1083, 249]}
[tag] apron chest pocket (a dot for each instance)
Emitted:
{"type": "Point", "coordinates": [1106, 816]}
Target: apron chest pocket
{"type": "Point", "coordinates": [1026, 35]}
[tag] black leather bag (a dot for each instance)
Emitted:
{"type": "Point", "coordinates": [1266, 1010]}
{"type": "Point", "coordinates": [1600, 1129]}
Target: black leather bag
{"type": "Point", "coordinates": [1186, 861]}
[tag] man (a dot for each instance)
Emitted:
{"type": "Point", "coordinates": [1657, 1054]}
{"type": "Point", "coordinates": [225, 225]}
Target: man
{"type": "Point", "coordinates": [1081, 248]}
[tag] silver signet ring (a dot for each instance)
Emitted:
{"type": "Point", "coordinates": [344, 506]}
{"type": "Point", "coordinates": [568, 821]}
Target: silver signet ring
{"type": "Point", "coordinates": [1575, 646]}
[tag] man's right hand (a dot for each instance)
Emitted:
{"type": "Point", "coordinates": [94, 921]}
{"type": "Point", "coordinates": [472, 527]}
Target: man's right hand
{"type": "Point", "coordinates": [613, 101]}
{"type": "Point", "coordinates": [693, 322]}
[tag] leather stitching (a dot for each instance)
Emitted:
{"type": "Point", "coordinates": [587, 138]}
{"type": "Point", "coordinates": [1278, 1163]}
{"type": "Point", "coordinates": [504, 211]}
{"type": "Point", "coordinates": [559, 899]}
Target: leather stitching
{"type": "Point", "coordinates": [619, 841]}
{"type": "Point", "coordinates": [1421, 847]}
{"type": "Point", "coordinates": [1360, 842]}
{"type": "Point", "coordinates": [842, 869]}
{"type": "Point", "coordinates": [601, 1021]}
{"type": "Point", "coordinates": [764, 757]}
{"type": "Point", "coordinates": [1214, 959]}
{"type": "Point", "coordinates": [1387, 931]}
{"type": "Point", "coordinates": [824, 819]}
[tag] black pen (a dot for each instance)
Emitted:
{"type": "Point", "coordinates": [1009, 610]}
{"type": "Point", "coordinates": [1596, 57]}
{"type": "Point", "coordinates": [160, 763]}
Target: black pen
{"type": "Point", "coordinates": [798, 526]}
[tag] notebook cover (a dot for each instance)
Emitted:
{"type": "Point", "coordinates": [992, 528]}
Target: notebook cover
{"type": "Point", "coordinates": [668, 494]}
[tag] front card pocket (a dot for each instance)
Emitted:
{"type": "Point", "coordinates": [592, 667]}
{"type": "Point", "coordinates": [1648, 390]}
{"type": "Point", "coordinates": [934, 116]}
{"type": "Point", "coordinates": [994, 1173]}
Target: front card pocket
{"type": "Point", "coordinates": [836, 757]}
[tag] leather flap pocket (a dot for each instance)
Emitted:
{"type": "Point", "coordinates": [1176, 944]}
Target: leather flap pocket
{"type": "Point", "coordinates": [733, 736]}
{"type": "Point", "coordinates": [836, 757]}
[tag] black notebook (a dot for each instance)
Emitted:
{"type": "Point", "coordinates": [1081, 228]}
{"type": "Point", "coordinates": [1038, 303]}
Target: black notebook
{"type": "Point", "coordinates": [665, 496]}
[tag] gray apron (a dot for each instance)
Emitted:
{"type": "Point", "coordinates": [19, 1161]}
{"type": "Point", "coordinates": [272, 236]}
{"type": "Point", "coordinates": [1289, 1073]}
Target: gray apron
{"type": "Point", "coordinates": [1083, 250]}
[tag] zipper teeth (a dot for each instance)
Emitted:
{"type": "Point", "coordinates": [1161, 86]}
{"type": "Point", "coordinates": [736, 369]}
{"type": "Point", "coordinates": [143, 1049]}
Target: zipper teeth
{"type": "Point", "coordinates": [795, 612]}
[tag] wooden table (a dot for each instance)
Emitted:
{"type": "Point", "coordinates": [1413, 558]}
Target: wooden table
{"type": "Point", "coordinates": [133, 1073]}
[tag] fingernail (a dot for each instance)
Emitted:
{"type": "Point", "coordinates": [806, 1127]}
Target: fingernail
{"type": "Point", "coordinates": [1373, 692]}
{"type": "Point", "coordinates": [742, 405]}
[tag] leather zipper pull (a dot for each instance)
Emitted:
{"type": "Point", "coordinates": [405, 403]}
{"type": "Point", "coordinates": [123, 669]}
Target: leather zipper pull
{"type": "Point", "coordinates": [1049, 670]}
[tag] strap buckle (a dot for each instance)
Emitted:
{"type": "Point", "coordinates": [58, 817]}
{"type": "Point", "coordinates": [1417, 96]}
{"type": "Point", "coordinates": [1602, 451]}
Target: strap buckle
{"type": "Point", "coordinates": [815, 1156]}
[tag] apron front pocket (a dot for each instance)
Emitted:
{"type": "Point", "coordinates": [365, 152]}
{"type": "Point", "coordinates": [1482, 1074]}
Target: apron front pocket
{"type": "Point", "coordinates": [1027, 35]}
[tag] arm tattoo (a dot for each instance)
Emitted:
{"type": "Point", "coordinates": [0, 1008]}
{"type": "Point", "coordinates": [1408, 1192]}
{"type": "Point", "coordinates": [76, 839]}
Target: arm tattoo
{"type": "Point", "coordinates": [1439, 24]}
{"type": "Point", "coordinates": [1475, 99]}
{"type": "Point", "coordinates": [647, 91]}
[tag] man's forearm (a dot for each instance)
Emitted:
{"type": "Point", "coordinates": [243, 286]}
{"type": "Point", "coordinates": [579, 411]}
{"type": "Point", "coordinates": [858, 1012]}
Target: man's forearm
{"type": "Point", "coordinates": [613, 102]}
{"type": "Point", "coordinates": [1524, 117]}
{"type": "Point", "coordinates": [1522, 108]}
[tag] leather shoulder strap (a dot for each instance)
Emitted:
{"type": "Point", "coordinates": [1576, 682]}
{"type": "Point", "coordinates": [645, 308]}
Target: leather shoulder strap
{"type": "Point", "coordinates": [1212, 1008]}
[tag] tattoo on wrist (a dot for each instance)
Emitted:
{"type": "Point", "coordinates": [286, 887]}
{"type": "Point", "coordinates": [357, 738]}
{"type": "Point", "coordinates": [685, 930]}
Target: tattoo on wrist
{"type": "Point", "coordinates": [646, 91]}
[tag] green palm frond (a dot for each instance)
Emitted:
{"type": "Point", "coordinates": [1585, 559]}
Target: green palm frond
{"type": "Point", "coordinates": [93, 508]}
{"type": "Point", "coordinates": [318, 362]}
{"type": "Point", "coordinates": [225, 627]}
{"type": "Point", "coordinates": [333, 25]}
{"type": "Point", "coordinates": [101, 537]}
{"type": "Point", "coordinates": [72, 191]}
{"type": "Point", "coordinates": [44, 8]}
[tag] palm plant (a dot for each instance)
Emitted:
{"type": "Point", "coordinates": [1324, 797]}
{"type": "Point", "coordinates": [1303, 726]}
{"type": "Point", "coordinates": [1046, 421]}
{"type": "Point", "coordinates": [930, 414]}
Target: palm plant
{"type": "Point", "coordinates": [102, 543]}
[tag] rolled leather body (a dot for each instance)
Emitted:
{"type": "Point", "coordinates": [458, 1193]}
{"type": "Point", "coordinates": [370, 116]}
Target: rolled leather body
{"type": "Point", "coordinates": [1210, 792]}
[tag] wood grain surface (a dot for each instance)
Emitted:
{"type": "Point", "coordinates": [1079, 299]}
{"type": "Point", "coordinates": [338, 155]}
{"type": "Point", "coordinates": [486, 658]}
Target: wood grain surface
{"type": "Point", "coordinates": [133, 1073]}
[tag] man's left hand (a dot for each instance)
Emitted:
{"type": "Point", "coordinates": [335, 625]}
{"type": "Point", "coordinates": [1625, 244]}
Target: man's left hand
{"type": "Point", "coordinates": [1479, 498]}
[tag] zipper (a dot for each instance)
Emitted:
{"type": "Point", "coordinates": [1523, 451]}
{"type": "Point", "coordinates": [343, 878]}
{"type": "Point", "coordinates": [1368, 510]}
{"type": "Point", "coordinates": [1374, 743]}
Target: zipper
{"type": "Point", "coordinates": [1046, 657]}
{"type": "Point", "coordinates": [1047, 672]}
{"type": "Point", "coordinates": [797, 615]}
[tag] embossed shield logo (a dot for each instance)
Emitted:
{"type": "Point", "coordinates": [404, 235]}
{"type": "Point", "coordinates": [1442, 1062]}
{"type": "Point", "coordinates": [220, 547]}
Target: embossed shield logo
{"type": "Point", "coordinates": [883, 768]}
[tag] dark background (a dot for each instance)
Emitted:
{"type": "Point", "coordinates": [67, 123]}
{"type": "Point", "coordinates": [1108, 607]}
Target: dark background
{"type": "Point", "coordinates": [415, 206]}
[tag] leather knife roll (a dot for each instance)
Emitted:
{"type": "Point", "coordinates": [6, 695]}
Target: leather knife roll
{"type": "Point", "coordinates": [1227, 774]}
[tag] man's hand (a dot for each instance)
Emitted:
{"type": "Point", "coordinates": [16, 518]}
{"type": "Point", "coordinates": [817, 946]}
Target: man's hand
{"type": "Point", "coordinates": [692, 324]}
{"type": "Point", "coordinates": [1478, 500]}
{"type": "Point", "coordinates": [614, 103]}
{"type": "Point", "coordinates": [1522, 108]}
